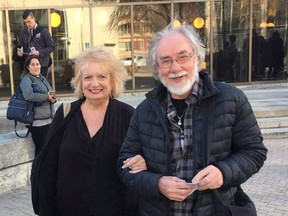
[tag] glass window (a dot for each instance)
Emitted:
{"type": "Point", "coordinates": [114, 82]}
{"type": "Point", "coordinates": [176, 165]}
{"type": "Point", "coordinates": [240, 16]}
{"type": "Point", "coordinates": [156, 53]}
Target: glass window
{"type": "Point", "coordinates": [147, 20]}
{"type": "Point", "coordinates": [130, 38]}
{"type": "Point", "coordinates": [17, 64]}
{"type": "Point", "coordinates": [230, 45]}
{"type": "Point", "coordinates": [231, 41]}
{"type": "Point", "coordinates": [16, 26]}
{"type": "Point", "coordinates": [196, 14]}
{"type": "Point", "coordinates": [113, 29]}
{"type": "Point", "coordinates": [71, 34]}
{"type": "Point", "coordinates": [4, 58]}
{"type": "Point", "coordinates": [269, 40]}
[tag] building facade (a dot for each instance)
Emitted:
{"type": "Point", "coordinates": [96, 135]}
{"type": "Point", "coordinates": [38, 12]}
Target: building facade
{"type": "Point", "coordinates": [239, 36]}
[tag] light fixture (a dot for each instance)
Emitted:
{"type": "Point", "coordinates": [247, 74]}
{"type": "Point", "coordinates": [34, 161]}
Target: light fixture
{"type": "Point", "coordinates": [176, 23]}
{"type": "Point", "coordinates": [203, 65]}
{"type": "Point", "coordinates": [55, 20]}
{"type": "Point", "coordinates": [270, 24]}
{"type": "Point", "coordinates": [198, 23]}
{"type": "Point", "coordinates": [265, 25]}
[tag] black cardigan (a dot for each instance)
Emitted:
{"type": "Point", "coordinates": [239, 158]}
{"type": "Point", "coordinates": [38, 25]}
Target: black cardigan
{"type": "Point", "coordinates": [118, 117]}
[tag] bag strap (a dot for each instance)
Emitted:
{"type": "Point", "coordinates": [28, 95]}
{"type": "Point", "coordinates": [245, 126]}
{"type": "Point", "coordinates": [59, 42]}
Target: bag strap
{"type": "Point", "coordinates": [15, 122]}
{"type": "Point", "coordinates": [207, 133]}
{"type": "Point", "coordinates": [66, 109]}
{"type": "Point", "coordinates": [15, 129]}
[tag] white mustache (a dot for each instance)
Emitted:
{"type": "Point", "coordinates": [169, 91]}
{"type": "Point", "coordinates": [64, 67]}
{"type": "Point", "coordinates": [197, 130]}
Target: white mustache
{"type": "Point", "coordinates": [176, 75]}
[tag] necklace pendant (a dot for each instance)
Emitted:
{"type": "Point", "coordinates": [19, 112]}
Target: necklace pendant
{"type": "Point", "coordinates": [179, 122]}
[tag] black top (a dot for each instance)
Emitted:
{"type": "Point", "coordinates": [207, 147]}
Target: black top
{"type": "Point", "coordinates": [180, 106]}
{"type": "Point", "coordinates": [75, 169]}
{"type": "Point", "coordinates": [87, 182]}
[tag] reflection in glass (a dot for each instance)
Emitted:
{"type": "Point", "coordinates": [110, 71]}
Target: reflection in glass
{"type": "Point", "coordinates": [147, 19]}
{"type": "Point", "coordinates": [129, 39]}
{"type": "Point", "coordinates": [4, 60]}
{"type": "Point", "coordinates": [71, 34]}
{"type": "Point", "coordinates": [275, 55]}
{"type": "Point", "coordinates": [197, 15]}
{"type": "Point", "coordinates": [230, 60]}
{"type": "Point", "coordinates": [269, 34]}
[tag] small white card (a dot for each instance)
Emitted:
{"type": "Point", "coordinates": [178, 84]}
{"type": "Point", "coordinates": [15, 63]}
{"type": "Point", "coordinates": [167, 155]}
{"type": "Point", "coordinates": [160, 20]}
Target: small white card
{"type": "Point", "coordinates": [195, 184]}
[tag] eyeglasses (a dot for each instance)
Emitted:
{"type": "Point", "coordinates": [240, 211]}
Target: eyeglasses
{"type": "Point", "coordinates": [181, 59]}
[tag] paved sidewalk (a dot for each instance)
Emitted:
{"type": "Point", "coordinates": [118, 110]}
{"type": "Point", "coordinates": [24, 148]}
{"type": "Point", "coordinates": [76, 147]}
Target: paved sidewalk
{"type": "Point", "coordinates": [268, 188]}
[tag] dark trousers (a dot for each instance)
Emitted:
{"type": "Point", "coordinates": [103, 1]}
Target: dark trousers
{"type": "Point", "coordinates": [39, 135]}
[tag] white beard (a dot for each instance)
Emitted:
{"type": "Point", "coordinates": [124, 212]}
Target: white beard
{"type": "Point", "coordinates": [179, 88]}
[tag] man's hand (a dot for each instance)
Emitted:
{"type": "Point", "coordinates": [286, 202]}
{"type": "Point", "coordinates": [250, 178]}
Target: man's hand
{"type": "Point", "coordinates": [34, 52]}
{"type": "Point", "coordinates": [136, 164]}
{"type": "Point", "coordinates": [174, 188]}
{"type": "Point", "coordinates": [20, 53]}
{"type": "Point", "coordinates": [209, 178]}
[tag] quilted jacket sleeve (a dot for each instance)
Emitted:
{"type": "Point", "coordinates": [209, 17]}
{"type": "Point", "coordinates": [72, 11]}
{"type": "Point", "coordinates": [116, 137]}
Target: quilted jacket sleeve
{"type": "Point", "coordinates": [144, 182]}
{"type": "Point", "coordinates": [248, 152]}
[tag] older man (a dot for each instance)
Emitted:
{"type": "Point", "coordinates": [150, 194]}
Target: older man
{"type": "Point", "coordinates": [167, 130]}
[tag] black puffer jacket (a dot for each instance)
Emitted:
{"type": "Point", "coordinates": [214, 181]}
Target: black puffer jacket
{"type": "Point", "coordinates": [237, 147]}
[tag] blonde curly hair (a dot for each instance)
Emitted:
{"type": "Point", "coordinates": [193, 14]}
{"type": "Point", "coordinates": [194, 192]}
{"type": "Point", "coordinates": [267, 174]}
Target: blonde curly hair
{"type": "Point", "coordinates": [108, 61]}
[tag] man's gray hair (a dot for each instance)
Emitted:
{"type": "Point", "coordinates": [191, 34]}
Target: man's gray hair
{"type": "Point", "coordinates": [187, 31]}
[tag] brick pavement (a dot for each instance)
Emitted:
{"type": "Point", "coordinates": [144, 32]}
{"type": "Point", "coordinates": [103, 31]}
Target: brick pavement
{"type": "Point", "coordinates": [268, 188]}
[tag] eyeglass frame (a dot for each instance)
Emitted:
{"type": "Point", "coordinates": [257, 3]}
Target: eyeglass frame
{"type": "Point", "coordinates": [171, 60]}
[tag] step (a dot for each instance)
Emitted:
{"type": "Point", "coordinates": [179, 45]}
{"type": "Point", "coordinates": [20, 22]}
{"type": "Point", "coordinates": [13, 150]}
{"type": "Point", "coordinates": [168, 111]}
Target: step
{"type": "Point", "coordinates": [275, 122]}
{"type": "Point", "coordinates": [266, 113]}
{"type": "Point", "coordinates": [275, 133]}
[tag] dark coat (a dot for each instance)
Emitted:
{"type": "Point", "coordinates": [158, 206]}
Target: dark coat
{"type": "Point", "coordinates": [276, 52]}
{"type": "Point", "coordinates": [41, 40]}
{"type": "Point", "coordinates": [45, 168]}
{"type": "Point", "coordinates": [237, 148]}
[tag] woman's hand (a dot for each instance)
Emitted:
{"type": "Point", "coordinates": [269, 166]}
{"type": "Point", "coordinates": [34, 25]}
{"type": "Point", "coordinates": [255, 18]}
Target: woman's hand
{"type": "Point", "coordinates": [51, 97]}
{"type": "Point", "coordinates": [136, 164]}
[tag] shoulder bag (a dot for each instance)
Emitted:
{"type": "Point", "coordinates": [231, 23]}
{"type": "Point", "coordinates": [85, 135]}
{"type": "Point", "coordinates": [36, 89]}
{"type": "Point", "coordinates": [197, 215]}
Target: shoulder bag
{"type": "Point", "coordinates": [20, 110]}
{"type": "Point", "coordinates": [242, 205]}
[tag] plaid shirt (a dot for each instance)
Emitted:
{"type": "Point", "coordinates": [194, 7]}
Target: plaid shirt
{"type": "Point", "coordinates": [181, 145]}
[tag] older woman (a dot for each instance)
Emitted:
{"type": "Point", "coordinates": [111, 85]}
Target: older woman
{"type": "Point", "coordinates": [77, 170]}
{"type": "Point", "coordinates": [35, 87]}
